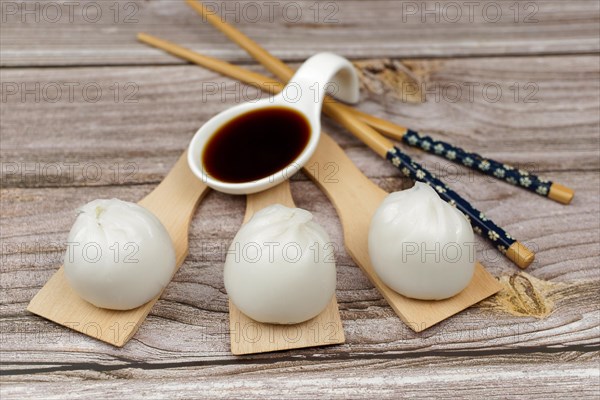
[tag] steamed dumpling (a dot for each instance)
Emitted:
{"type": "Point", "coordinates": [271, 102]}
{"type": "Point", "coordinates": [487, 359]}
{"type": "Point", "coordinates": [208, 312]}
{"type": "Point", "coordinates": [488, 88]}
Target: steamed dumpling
{"type": "Point", "coordinates": [280, 267]}
{"type": "Point", "coordinates": [119, 255]}
{"type": "Point", "coordinates": [421, 246]}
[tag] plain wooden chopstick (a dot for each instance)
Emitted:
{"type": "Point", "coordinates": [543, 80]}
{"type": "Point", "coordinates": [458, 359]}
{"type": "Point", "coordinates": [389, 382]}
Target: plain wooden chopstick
{"type": "Point", "coordinates": [513, 249]}
{"type": "Point", "coordinates": [515, 176]}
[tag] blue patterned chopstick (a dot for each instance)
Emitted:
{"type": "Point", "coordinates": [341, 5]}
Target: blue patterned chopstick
{"type": "Point", "coordinates": [493, 168]}
{"type": "Point", "coordinates": [481, 224]}
{"type": "Point", "coordinates": [508, 173]}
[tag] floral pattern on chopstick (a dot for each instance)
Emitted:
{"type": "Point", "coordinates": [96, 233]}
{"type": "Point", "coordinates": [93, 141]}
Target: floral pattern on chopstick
{"type": "Point", "coordinates": [474, 161]}
{"type": "Point", "coordinates": [480, 223]}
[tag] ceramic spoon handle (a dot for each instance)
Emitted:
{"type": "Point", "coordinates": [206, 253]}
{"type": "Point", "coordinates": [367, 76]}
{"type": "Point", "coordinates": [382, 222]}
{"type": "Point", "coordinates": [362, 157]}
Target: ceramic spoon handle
{"type": "Point", "coordinates": [481, 224]}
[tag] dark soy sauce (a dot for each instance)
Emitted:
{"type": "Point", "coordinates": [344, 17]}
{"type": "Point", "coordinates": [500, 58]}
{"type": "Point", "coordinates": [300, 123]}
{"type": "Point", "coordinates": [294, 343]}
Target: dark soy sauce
{"type": "Point", "coordinates": [255, 145]}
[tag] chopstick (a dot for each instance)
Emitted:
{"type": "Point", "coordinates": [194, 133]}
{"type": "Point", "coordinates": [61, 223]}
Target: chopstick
{"type": "Point", "coordinates": [506, 172]}
{"type": "Point", "coordinates": [502, 171]}
{"type": "Point", "coordinates": [513, 249]}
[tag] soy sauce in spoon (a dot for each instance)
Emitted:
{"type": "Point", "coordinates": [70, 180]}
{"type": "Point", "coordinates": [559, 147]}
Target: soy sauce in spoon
{"type": "Point", "coordinates": [256, 145]}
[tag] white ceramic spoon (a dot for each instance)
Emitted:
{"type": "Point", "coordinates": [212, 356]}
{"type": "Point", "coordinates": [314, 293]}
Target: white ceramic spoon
{"type": "Point", "coordinates": [303, 94]}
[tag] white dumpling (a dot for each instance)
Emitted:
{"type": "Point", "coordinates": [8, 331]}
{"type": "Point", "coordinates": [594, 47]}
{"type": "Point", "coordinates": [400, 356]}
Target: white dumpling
{"type": "Point", "coordinates": [420, 246]}
{"type": "Point", "coordinates": [280, 267]}
{"type": "Point", "coordinates": [119, 255]}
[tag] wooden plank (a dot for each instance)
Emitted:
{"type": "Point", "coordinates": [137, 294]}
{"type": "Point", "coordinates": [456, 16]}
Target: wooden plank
{"type": "Point", "coordinates": [103, 33]}
{"type": "Point", "coordinates": [539, 375]}
{"type": "Point", "coordinates": [525, 357]}
{"type": "Point", "coordinates": [557, 134]}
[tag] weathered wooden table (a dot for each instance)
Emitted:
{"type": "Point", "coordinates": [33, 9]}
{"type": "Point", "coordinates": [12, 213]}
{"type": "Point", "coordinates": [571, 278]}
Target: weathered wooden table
{"type": "Point", "coordinates": [87, 112]}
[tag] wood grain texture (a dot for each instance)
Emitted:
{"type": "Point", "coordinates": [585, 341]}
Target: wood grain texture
{"type": "Point", "coordinates": [390, 377]}
{"type": "Point", "coordinates": [558, 126]}
{"type": "Point", "coordinates": [182, 349]}
{"type": "Point", "coordinates": [104, 34]}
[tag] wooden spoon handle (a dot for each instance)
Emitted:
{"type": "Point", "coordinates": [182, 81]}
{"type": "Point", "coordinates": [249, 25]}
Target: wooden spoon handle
{"type": "Point", "coordinates": [280, 194]}
{"type": "Point", "coordinates": [174, 201]}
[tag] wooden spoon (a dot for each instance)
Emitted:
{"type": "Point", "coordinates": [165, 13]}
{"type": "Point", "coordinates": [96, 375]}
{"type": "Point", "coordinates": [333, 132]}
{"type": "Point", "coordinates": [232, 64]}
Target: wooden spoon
{"type": "Point", "coordinates": [356, 198]}
{"type": "Point", "coordinates": [249, 336]}
{"type": "Point", "coordinates": [173, 202]}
